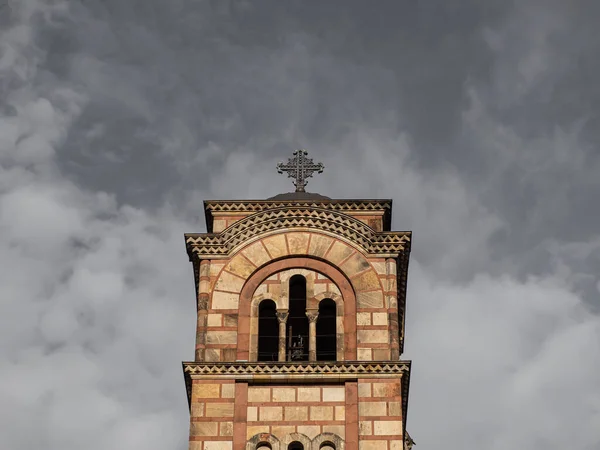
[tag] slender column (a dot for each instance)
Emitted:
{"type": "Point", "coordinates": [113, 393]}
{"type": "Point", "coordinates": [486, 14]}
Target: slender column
{"type": "Point", "coordinates": [203, 296]}
{"type": "Point", "coordinates": [392, 307]}
{"type": "Point", "coordinates": [312, 334]}
{"type": "Point", "coordinates": [282, 318]}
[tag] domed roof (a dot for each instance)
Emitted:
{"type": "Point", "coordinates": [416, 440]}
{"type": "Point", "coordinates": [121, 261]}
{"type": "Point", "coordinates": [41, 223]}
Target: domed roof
{"type": "Point", "coordinates": [299, 196]}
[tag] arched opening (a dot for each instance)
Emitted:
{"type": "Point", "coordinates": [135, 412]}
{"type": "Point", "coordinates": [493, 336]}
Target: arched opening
{"type": "Point", "coordinates": [297, 321]}
{"type": "Point", "coordinates": [268, 331]}
{"type": "Point", "coordinates": [295, 445]}
{"type": "Point", "coordinates": [326, 331]}
{"type": "Point", "coordinates": [327, 446]}
{"type": "Point", "coordinates": [263, 446]}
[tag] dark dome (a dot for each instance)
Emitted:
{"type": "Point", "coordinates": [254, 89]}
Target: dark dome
{"type": "Point", "coordinates": [299, 196]}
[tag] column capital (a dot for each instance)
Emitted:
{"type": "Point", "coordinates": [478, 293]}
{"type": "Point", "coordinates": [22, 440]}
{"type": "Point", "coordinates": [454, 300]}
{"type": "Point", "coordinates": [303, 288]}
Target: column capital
{"type": "Point", "coordinates": [282, 316]}
{"type": "Point", "coordinates": [312, 316]}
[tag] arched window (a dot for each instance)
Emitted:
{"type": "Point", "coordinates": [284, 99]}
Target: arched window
{"type": "Point", "coordinates": [327, 446]}
{"type": "Point", "coordinates": [326, 331]}
{"type": "Point", "coordinates": [295, 445]}
{"type": "Point", "coordinates": [268, 331]}
{"type": "Point", "coordinates": [297, 321]}
{"type": "Point", "coordinates": [263, 446]}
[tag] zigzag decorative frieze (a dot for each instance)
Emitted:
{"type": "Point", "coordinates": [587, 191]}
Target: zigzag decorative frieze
{"type": "Point", "coordinates": [297, 217]}
{"type": "Point", "coordinates": [256, 206]}
{"type": "Point", "coordinates": [323, 369]}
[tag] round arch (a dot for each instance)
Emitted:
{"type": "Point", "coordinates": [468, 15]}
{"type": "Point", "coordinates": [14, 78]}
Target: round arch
{"type": "Point", "coordinates": [343, 284]}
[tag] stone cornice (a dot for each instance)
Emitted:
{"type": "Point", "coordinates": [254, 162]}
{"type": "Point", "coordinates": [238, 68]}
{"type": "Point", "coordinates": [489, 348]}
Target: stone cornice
{"type": "Point", "coordinates": [289, 217]}
{"type": "Point", "coordinates": [322, 372]}
{"type": "Point", "coordinates": [254, 206]}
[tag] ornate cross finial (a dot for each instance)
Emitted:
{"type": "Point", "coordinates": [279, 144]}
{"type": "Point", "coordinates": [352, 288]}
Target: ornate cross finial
{"type": "Point", "coordinates": [300, 167]}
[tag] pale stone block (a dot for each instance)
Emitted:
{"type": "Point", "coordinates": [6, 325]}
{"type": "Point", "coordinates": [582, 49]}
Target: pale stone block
{"type": "Point", "coordinates": [219, 410]}
{"type": "Point", "coordinates": [195, 445]}
{"type": "Point", "coordinates": [334, 394]}
{"type": "Point", "coordinates": [372, 336]}
{"type": "Point", "coordinates": [284, 394]}
{"type": "Point", "coordinates": [363, 318]}
{"type": "Point", "coordinates": [259, 394]}
{"type": "Point", "coordinates": [254, 430]}
{"type": "Point", "coordinates": [364, 389]}
{"type": "Point", "coordinates": [282, 430]}
{"type": "Point", "coordinates": [319, 288]}
{"type": "Point", "coordinates": [366, 281]}
{"type": "Point", "coordinates": [204, 429]}
{"type": "Point", "coordinates": [221, 337]}
{"type": "Point", "coordinates": [240, 266]}
{"type": "Point", "coordinates": [372, 299]}
{"type": "Point", "coordinates": [267, 413]}
{"type": "Point", "coordinates": [364, 354]}
{"type": "Point", "coordinates": [207, 390]}
{"type": "Point", "coordinates": [256, 253]}
{"type": "Point", "coordinates": [319, 244]}
{"type": "Point", "coordinates": [298, 243]}
{"type": "Point", "coordinates": [380, 318]}
{"type": "Point", "coordinates": [372, 445]}
{"type": "Point", "coordinates": [386, 389]}
{"type": "Point", "coordinates": [365, 428]}
{"type": "Point", "coordinates": [218, 445]}
{"type": "Point", "coordinates": [355, 264]}
{"type": "Point", "coordinates": [321, 413]}
{"type": "Point", "coordinates": [219, 225]}
{"type": "Point", "coordinates": [225, 300]}
{"type": "Point", "coordinates": [229, 282]}
{"type": "Point", "coordinates": [340, 413]}
{"type": "Point", "coordinates": [395, 408]}
{"type": "Point", "coordinates": [310, 431]}
{"type": "Point", "coordinates": [252, 414]}
{"type": "Point", "coordinates": [276, 245]}
{"type": "Point", "coordinates": [387, 427]}
{"type": "Point", "coordinates": [296, 413]}
{"type": "Point", "coordinates": [340, 430]}
{"type": "Point", "coordinates": [379, 267]}
{"type": "Point", "coordinates": [197, 410]}
{"type": "Point", "coordinates": [339, 251]}
{"type": "Point", "coordinates": [230, 320]}
{"type": "Point", "coordinates": [306, 394]}
{"type": "Point", "coordinates": [215, 267]}
{"type": "Point", "coordinates": [372, 409]}
{"type": "Point", "coordinates": [214, 320]}
{"type": "Point", "coordinates": [396, 445]}
{"type": "Point", "coordinates": [262, 289]}
{"type": "Point", "coordinates": [226, 429]}
{"type": "Point", "coordinates": [228, 390]}
{"type": "Point", "coordinates": [212, 354]}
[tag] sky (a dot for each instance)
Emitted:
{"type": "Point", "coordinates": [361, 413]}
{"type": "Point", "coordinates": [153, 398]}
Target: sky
{"type": "Point", "coordinates": [479, 119]}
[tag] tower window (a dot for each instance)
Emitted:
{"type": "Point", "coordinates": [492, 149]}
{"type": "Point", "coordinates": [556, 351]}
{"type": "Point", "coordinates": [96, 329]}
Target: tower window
{"type": "Point", "coordinates": [295, 446]}
{"type": "Point", "coordinates": [297, 321]}
{"type": "Point", "coordinates": [268, 331]}
{"type": "Point", "coordinates": [327, 446]}
{"type": "Point", "coordinates": [326, 331]}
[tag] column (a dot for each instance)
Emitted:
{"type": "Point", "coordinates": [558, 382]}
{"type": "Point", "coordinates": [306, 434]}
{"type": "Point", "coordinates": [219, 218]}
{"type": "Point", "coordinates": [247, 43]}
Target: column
{"type": "Point", "coordinates": [392, 307]}
{"type": "Point", "coordinates": [203, 296]}
{"type": "Point", "coordinates": [312, 334]}
{"type": "Point", "coordinates": [282, 318]}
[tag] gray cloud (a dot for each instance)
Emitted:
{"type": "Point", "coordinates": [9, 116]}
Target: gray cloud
{"type": "Point", "coordinates": [119, 118]}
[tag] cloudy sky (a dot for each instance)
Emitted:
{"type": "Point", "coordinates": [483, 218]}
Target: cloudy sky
{"type": "Point", "coordinates": [479, 119]}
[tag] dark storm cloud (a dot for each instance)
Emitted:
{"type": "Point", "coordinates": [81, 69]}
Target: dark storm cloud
{"type": "Point", "coordinates": [478, 118]}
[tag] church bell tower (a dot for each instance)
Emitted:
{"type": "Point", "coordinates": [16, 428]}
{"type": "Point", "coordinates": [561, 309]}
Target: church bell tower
{"type": "Point", "coordinates": [300, 331]}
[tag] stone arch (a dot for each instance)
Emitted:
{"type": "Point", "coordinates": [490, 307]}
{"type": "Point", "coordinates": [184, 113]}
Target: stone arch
{"type": "Point", "coordinates": [292, 437]}
{"type": "Point", "coordinates": [324, 438]}
{"type": "Point", "coordinates": [266, 438]}
{"type": "Point", "coordinates": [334, 274]}
{"type": "Point", "coordinates": [277, 291]}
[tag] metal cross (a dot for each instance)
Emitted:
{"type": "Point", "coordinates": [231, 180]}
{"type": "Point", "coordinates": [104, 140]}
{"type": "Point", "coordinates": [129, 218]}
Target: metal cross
{"type": "Point", "coordinates": [300, 167]}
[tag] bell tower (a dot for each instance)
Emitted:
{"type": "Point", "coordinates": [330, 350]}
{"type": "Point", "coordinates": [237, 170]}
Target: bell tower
{"type": "Point", "coordinates": [300, 303]}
